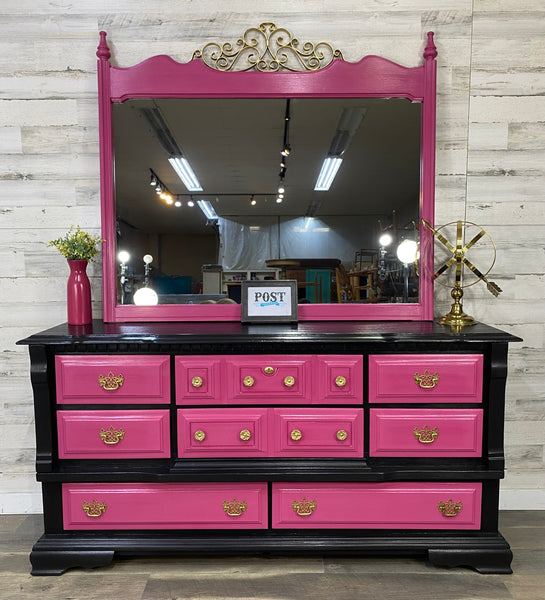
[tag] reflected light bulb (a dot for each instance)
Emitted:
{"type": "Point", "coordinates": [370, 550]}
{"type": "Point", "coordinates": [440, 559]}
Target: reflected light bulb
{"type": "Point", "coordinates": [148, 258]}
{"type": "Point", "coordinates": [406, 251]}
{"type": "Point", "coordinates": [123, 256]}
{"type": "Point", "coordinates": [385, 239]}
{"type": "Point", "coordinates": [145, 297]}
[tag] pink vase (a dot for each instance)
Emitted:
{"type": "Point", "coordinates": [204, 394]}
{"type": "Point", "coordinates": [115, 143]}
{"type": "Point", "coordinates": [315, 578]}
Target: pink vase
{"type": "Point", "coordinates": [78, 294]}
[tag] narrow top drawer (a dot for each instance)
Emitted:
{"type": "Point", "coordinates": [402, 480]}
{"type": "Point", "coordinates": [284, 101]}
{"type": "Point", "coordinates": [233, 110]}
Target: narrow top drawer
{"type": "Point", "coordinates": [128, 379]}
{"type": "Point", "coordinates": [425, 378]}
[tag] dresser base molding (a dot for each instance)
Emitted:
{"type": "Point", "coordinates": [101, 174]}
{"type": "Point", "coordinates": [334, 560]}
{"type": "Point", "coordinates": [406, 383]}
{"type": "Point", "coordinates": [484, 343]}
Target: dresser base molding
{"type": "Point", "coordinates": [486, 553]}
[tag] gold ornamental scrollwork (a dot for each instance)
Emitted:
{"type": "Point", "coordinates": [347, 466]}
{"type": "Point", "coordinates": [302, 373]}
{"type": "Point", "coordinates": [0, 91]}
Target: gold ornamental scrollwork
{"type": "Point", "coordinates": [426, 435]}
{"type": "Point", "coordinates": [110, 382]}
{"type": "Point", "coordinates": [304, 507]}
{"type": "Point", "coordinates": [111, 436]}
{"type": "Point", "coordinates": [267, 48]}
{"type": "Point", "coordinates": [426, 381]}
{"type": "Point", "coordinates": [234, 507]}
{"type": "Point", "coordinates": [94, 508]}
{"type": "Point", "coordinates": [449, 508]}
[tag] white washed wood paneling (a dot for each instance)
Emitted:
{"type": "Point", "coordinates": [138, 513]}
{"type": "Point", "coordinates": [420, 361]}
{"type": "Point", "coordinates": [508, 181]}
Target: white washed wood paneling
{"type": "Point", "coordinates": [490, 166]}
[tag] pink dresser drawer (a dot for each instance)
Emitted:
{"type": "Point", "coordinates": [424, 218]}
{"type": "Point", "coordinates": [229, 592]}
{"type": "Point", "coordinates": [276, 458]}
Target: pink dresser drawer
{"type": "Point", "coordinates": [425, 432]}
{"type": "Point", "coordinates": [113, 434]}
{"type": "Point", "coordinates": [222, 433]}
{"type": "Point", "coordinates": [129, 379]}
{"type": "Point", "coordinates": [269, 379]}
{"type": "Point", "coordinates": [425, 378]}
{"type": "Point", "coordinates": [377, 505]}
{"type": "Point", "coordinates": [339, 379]}
{"type": "Point", "coordinates": [164, 506]}
{"type": "Point", "coordinates": [198, 380]}
{"type": "Point", "coordinates": [335, 432]}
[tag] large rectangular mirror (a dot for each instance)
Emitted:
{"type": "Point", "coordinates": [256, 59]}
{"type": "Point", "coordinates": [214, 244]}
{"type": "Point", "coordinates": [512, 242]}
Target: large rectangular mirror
{"type": "Point", "coordinates": [255, 213]}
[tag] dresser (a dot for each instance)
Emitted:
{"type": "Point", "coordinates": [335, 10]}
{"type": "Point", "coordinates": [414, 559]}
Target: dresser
{"type": "Point", "coordinates": [346, 438]}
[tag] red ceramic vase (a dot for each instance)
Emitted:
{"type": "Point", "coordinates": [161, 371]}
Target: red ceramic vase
{"type": "Point", "coordinates": [78, 294]}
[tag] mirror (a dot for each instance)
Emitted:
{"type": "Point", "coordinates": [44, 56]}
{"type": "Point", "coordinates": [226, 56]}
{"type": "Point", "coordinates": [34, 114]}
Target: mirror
{"type": "Point", "coordinates": [331, 241]}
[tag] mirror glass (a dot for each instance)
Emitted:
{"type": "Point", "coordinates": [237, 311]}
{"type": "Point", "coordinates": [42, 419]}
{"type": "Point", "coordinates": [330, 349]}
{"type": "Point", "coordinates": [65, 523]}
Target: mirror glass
{"type": "Point", "coordinates": [331, 241]}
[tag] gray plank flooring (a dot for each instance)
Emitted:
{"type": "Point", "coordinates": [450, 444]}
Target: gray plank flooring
{"type": "Point", "coordinates": [276, 578]}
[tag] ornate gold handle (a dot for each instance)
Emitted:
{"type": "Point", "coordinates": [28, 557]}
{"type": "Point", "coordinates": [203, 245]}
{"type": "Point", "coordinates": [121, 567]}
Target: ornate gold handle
{"type": "Point", "coordinates": [199, 435]}
{"type": "Point", "coordinates": [426, 381]}
{"type": "Point", "coordinates": [296, 435]}
{"type": "Point", "coordinates": [245, 435]}
{"type": "Point", "coordinates": [426, 435]}
{"type": "Point", "coordinates": [340, 381]}
{"type": "Point", "coordinates": [341, 435]}
{"type": "Point", "coordinates": [304, 508]}
{"type": "Point", "coordinates": [268, 370]}
{"type": "Point", "coordinates": [248, 381]}
{"type": "Point", "coordinates": [94, 508]}
{"type": "Point", "coordinates": [111, 436]}
{"type": "Point", "coordinates": [289, 381]}
{"type": "Point", "coordinates": [234, 508]}
{"type": "Point", "coordinates": [196, 382]}
{"type": "Point", "coordinates": [449, 508]}
{"type": "Point", "coordinates": [110, 382]}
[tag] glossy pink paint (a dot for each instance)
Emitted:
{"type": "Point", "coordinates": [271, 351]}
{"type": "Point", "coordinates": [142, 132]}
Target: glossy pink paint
{"type": "Point", "coordinates": [78, 294]}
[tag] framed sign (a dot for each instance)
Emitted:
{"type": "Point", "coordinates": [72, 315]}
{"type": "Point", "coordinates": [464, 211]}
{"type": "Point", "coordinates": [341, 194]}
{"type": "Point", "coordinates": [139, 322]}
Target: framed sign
{"type": "Point", "coordinates": [269, 301]}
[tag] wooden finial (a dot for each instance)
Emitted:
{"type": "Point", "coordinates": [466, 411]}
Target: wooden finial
{"type": "Point", "coordinates": [103, 51]}
{"type": "Point", "coordinates": [430, 52]}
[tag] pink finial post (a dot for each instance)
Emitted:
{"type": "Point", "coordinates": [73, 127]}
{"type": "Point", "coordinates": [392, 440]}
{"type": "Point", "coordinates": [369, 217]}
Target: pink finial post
{"type": "Point", "coordinates": [103, 51]}
{"type": "Point", "coordinates": [430, 52]}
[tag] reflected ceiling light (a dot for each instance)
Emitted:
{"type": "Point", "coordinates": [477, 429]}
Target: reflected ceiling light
{"type": "Point", "coordinates": [253, 201]}
{"type": "Point", "coordinates": [185, 173]}
{"type": "Point", "coordinates": [145, 297]}
{"type": "Point", "coordinates": [123, 256]}
{"type": "Point", "coordinates": [278, 200]}
{"type": "Point", "coordinates": [385, 239]}
{"type": "Point", "coordinates": [190, 203]}
{"type": "Point", "coordinates": [281, 190]}
{"type": "Point", "coordinates": [207, 209]}
{"type": "Point", "coordinates": [327, 173]}
{"type": "Point", "coordinates": [177, 204]}
{"type": "Point", "coordinates": [406, 251]}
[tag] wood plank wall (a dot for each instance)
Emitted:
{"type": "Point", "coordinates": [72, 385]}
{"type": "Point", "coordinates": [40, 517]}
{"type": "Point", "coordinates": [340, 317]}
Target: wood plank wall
{"type": "Point", "coordinates": [490, 166]}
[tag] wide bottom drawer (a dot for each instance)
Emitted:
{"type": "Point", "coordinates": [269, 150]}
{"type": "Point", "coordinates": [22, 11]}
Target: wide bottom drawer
{"type": "Point", "coordinates": [376, 505]}
{"type": "Point", "coordinates": [165, 506]}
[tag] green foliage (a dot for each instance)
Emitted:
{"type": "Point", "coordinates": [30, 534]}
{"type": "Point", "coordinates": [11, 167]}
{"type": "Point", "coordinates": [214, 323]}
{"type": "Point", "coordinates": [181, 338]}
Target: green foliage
{"type": "Point", "coordinates": [77, 244]}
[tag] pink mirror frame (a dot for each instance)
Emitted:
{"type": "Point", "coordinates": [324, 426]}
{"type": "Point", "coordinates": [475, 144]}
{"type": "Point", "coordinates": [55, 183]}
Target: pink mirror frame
{"type": "Point", "coordinates": [163, 77]}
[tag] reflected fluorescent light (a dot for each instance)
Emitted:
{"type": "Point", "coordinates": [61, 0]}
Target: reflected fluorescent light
{"type": "Point", "coordinates": [185, 173]}
{"type": "Point", "coordinates": [327, 174]}
{"type": "Point", "coordinates": [207, 209]}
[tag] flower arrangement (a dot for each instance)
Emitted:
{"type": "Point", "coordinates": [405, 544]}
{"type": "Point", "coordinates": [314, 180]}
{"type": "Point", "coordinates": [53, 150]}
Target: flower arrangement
{"type": "Point", "coordinates": [77, 244]}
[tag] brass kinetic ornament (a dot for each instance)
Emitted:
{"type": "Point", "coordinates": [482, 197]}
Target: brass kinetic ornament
{"type": "Point", "coordinates": [457, 317]}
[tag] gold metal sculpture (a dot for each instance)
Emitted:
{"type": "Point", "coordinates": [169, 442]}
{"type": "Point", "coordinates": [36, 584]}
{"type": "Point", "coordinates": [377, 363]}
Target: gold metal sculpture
{"type": "Point", "coordinates": [457, 318]}
{"type": "Point", "coordinates": [267, 48]}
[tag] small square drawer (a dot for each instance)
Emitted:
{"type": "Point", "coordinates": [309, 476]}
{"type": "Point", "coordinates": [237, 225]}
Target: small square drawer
{"type": "Point", "coordinates": [340, 379]}
{"type": "Point", "coordinates": [376, 505]}
{"type": "Point", "coordinates": [269, 379]}
{"type": "Point", "coordinates": [129, 379]}
{"type": "Point", "coordinates": [319, 432]}
{"type": "Point", "coordinates": [113, 434]}
{"type": "Point", "coordinates": [164, 506]}
{"type": "Point", "coordinates": [222, 433]}
{"type": "Point", "coordinates": [425, 378]}
{"type": "Point", "coordinates": [425, 432]}
{"type": "Point", "coordinates": [198, 380]}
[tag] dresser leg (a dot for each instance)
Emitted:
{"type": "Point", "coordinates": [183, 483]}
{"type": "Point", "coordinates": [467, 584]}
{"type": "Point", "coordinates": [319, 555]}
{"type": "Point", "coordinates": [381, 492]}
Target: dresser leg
{"type": "Point", "coordinates": [493, 561]}
{"type": "Point", "coordinates": [50, 562]}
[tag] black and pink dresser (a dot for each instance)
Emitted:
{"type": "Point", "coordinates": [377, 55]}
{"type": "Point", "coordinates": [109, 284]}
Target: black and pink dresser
{"type": "Point", "coordinates": [351, 438]}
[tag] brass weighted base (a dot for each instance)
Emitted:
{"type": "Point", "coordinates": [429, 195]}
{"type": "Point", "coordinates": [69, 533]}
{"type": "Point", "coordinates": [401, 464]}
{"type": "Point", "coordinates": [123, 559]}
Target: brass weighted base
{"type": "Point", "coordinates": [457, 317]}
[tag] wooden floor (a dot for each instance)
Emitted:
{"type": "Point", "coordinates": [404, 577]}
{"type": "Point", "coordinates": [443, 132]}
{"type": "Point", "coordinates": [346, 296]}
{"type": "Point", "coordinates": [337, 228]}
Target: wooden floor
{"type": "Point", "coordinates": [276, 578]}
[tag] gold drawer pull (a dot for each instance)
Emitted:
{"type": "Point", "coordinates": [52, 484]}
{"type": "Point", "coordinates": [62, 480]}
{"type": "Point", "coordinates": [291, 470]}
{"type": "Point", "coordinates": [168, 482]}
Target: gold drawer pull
{"type": "Point", "coordinates": [426, 435]}
{"type": "Point", "coordinates": [340, 381]}
{"type": "Point", "coordinates": [199, 435]}
{"type": "Point", "coordinates": [234, 508]}
{"type": "Point", "coordinates": [196, 382]}
{"type": "Point", "coordinates": [111, 436]}
{"type": "Point", "coordinates": [289, 381]}
{"type": "Point", "coordinates": [449, 508]}
{"type": "Point", "coordinates": [94, 508]}
{"type": "Point", "coordinates": [296, 435]}
{"type": "Point", "coordinates": [245, 435]}
{"type": "Point", "coordinates": [342, 435]}
{"type": "Point", "coordinates": [268, 370]}
{"type": "Point", "coordinates": [426, 381]}
{"type": "Point", "coordinates": [248, 381]}
{"type": "Point", "coordinates": [110, 382]}
{"type": "Point", "coordinates": [304, 508]}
